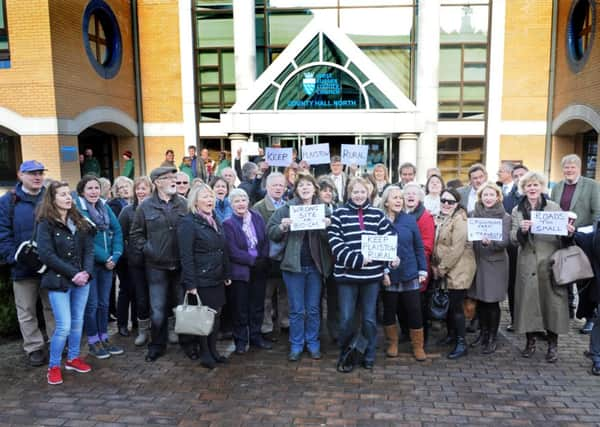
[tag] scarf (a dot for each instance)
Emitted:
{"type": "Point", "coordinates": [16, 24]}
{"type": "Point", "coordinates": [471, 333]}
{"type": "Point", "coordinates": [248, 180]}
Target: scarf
{"type": "Point", "coordinates": [249, 230]}
{"type": "Point", "coordinates": [525, 207]}
{"type": "Point", "coordinates": [496, 211]}
{"type": "Point", "coordinates": [98, 214]}
{"type": "Point", "coordinates": [418, 211]}
{"type": "Point", "coordinates": [209, 219]}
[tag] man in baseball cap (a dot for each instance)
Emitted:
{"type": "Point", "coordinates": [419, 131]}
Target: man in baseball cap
{"type": "Point", "coordinates": [17, 221]}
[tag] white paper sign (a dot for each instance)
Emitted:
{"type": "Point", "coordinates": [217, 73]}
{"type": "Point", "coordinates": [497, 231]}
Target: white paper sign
{"type": "Point", "coordinates": [554, 223]}
{"type": "Point", "coordinates": [250, 148]}
{"type": "Point", "coordinates": [490, 228]}
{"type": "Point", "coordinates": [278, 156]}
{"type": "Point", "coordinates": [355, 154]}
{"type": "Point", "coordinates": [316, 154]}
{"type": "Point", "coordinates": [379, 248]}
{"type": "Point", "coordinates": [307, 217]}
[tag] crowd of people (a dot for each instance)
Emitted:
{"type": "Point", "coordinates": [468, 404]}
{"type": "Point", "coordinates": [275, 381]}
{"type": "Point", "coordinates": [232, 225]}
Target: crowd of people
{"type": "Point", "coordinates": [223, 235]}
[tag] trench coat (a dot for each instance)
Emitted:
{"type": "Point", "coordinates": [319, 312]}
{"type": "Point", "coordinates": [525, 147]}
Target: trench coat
{"type": "Point", "coordinates": [491, 278]}
{"type": "Point", "coordinates": [539, 304]}
{"type": "Point", "coordinates": [453, 253]}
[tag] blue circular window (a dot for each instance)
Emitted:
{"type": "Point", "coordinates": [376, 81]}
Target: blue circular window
{"type": "Point", "coordinates": [102, 39]}
{"type": "Point", "coordinates": [581, 29]}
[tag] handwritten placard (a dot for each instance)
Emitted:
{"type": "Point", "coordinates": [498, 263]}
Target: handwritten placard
{"type": "Point", "coordinates": [355, 154]}
{"type": "Point", "coordinates": [379, 248]}
{"type": "Point", "coordinates": [250, 148]}
{"type": "Point", "coordinates": [316, 154]}
{"type": "Point", "coordinates": [480, 228]}
{"type": "Point", "coordinates": [553, 223]}
{"type": "Point", "coordinates": [307, 217]}
{"type": "Point", "coordinates": [278, 156]}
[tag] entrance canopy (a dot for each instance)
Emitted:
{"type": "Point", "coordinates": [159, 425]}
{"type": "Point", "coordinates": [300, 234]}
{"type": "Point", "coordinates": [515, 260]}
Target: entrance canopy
{"type": "Point", "coordinates": [323, 83]}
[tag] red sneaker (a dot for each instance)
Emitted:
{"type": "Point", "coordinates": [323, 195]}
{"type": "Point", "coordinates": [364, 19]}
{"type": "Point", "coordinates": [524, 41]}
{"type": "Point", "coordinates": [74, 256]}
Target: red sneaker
{"type": "Point", "coordinates": [77, 365]}
{"type": "Point", "coordinates": [54, 375]}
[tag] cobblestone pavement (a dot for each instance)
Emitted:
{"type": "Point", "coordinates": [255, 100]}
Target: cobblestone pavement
{"type": "Point", "coordinates": [262, 389]}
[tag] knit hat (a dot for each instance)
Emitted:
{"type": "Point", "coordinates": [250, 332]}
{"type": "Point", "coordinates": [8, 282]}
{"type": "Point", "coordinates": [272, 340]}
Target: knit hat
{"type": "Point", "coordinates": [128, 154]}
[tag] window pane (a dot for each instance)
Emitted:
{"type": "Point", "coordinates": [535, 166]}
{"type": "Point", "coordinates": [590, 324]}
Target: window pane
{"type": "Point", "coordinates": [331, 53]}
{"type": "Point", "coordinates": [474, 72]}
{"type": "Point", "coordinates": [376, 98]}
{"type": "Point", "coordinates": [228, 70]}
{"type": "Point", "coordinates": [449, 93]}
{"type": "Point", "coordinates": [266, 101]}
{"type": "Point", "coordinates": [208, 58]}
{"type": "Point", "coordinates": [208, 77]}
{"type": "Point", "coordinates": [302, 3]}
{"type": "Point", "coordinates": [377, 25]}
{"type": "Point", "coordinates": [229, 96]}
{"type": "Point", "coordinates": [2, 23]}
{"type": "Point", "coordinates": [215, 31]}
{"type": "Point", "coordinates": [310, 53]}
{"type": "Point", "coordinates": [92, 25]}
{"type": "Point", "coordinates": [474, 93]}
{"type": "Point", "coordinates": [103, 54]}
{"type": "Point", "coordinates": [450, 65]}
{"type": "Point", "coordinates": [464, 23]}
{"type": "Point", "coordinates": [449, 110]}
{"type": "Point", "coordinates": [394, 62]}
{"type": "Point", "coordinates": [475, 54]}
{"type": "Point", "coordinates": [284, 27]}
{"type": "Point", "coordinates": [209, 95]}
{"type": "Point", "coordinates": [355, 70]}
{"type": "Point", "coordinates": [286, 72]}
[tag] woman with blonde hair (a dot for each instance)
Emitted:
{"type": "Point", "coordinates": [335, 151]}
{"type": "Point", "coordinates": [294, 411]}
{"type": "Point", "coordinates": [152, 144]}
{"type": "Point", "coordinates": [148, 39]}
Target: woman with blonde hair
{"type": "Point", "coordinates": [491, 278]}
{"type": "Point", "coordinates": [381, 178]}
{"type": "Point", "coordinates": [204, 268]}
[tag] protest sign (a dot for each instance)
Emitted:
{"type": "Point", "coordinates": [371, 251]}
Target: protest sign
{"type": "Point", "coordinates": [355, 154]}
{"type": "Point", "coordinates": [480, 228]}
{"type": "Point", "coordinates": [379, 248]}
{"type": "Point", "coordinates": [316, 154]}
{"type": "Point", "coordinates": [553, 223]}
{"type": "Point", "coordinates": [278, 156]}
{"type": "Point", "coordinates": [307, 217]}
{"type": "Point", "coordinates": [250, 148]}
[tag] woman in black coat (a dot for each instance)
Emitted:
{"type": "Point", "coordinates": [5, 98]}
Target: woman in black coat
{"type": "Point", "coordinates": [204, 269]}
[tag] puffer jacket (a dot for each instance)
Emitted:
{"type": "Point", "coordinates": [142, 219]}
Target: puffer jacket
{"type": "Point", "coordinates": [153, 231]}
{"type": "Point", "coordinates": [65, 253]}
{"type": "Point", "coordinates": [453, 254]}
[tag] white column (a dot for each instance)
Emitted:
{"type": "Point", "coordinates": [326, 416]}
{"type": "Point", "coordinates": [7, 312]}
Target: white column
{"type": "Point", "coordinates": [186, 53]}
{"type": "Point", "coordinates": [407, 149]}
{"type": "Point", "coordinates": [428, 59]}
{"type": "Point", "coordinates": [496, 67]}
{"type": "Point", "coordinates": [244, 40]}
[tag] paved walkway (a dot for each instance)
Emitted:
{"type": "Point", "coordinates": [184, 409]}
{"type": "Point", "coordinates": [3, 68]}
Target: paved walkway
{"type": "Point", "coordinates": [262, 389]}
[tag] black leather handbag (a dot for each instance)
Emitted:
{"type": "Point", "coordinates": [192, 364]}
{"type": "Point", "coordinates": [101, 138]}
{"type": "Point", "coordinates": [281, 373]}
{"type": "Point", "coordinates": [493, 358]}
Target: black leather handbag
{"type": "Point", "coordinates": [27, 254]}
{"type": "Point", "coordinates": [439, 302]}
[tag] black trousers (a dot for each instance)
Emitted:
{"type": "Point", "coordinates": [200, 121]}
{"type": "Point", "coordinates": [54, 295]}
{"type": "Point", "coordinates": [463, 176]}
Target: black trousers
{"type": "Point", "coordinates": [126, 298]}
{"type": "Point", "coordinates": [456, 313]}
{"type": "Point", "coordinates": [137, 276]}
{"type": "Point", "coordinates": [512, 277]}
{"type": "Point", "coordinates": [248, 307]}
{"type": "Point", "coordinates": [406, 304]}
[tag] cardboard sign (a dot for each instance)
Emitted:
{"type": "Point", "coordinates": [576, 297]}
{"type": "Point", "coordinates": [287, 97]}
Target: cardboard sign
{"type": "Point", "coordinates": [379, 248]}
{"type": "Point", "coordinates": [316, 154]}
{"type": "Point", "coordinates": [278, 156]}
{"type": "Point", "coordinates": [250, 148]}
{"type": "Point", "coordinates": [480, 228]}
{"type": "Point", "coordinates": [307, 217]}
{"type": "Point", "coordinates": [355, 154]}
{"type": "Point", "coordinates": [553, 223]}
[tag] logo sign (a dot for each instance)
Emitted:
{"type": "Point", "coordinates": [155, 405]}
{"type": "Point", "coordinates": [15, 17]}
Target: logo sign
{"type": "Point", "coordinates": [316, 154]}
{"type": "Point", "coordinates": [309, 83]}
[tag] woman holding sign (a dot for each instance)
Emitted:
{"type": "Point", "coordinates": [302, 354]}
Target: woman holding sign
{"type": "Point", "coordinates": [491, 279]}
{"type": "Point", "coordinates": [539, 305]}
{"type": "Point", "coordinates": [401, 286]}
{"type": "Point", "coordinates": [454, 261]}
{"type": "Point", "coordinates": [358, 276]}
{"type": "Point", "coordinates": [306, 262]}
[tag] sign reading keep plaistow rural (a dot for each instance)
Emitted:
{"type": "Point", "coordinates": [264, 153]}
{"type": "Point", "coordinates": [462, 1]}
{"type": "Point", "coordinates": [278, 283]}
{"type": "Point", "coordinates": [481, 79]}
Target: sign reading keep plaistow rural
{"type": "Point", "coordinates": [354, 154]}
{"type": "Point", "coordinates": [553, 223]}
{"type": "Point", "coordinates": [379, 248]}
{"type": "Point", "coordinates": [307, 217]}
{"type": "Point", "coordinates": [488, 228]}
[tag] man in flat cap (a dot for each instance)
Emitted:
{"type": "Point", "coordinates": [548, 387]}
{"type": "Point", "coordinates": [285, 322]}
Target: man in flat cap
{"type": "Point", "coordinates": [17, 222]}
{"type": "Point", "coordinates": [154, 235]}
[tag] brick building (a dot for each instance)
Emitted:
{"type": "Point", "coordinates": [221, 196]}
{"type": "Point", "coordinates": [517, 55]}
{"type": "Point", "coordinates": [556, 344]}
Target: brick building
{"type": "Point", "coordinates": [444, 83]}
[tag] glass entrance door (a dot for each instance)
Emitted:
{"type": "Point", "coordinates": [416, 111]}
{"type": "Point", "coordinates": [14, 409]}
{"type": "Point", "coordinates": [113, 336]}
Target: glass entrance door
{"type": "Point", "coordinates": [379, 151]}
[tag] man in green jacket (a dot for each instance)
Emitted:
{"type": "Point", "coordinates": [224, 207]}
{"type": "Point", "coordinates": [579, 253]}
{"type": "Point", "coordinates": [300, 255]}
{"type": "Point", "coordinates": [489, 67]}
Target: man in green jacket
{"type": "Point", "coordinates": [91, 165]}
{"type": "Point", "coordinates": [129, 168]}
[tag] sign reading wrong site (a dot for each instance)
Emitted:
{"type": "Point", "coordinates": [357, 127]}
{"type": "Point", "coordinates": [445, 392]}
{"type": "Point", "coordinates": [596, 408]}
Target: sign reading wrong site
{"type": "Point", "coordinates": [307, 217]}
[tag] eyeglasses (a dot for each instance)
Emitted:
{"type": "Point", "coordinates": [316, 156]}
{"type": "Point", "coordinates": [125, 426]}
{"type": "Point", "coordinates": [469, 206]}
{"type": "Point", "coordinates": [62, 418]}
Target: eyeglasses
{"type": "Point", "coordinates": [448, 201]}
{"type": "Point", "coordinates": [181, 182]}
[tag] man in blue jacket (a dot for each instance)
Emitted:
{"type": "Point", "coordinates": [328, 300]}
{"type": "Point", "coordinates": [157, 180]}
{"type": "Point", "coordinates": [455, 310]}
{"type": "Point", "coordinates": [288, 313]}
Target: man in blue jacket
{"type": "Point", "coordinates": [17, 222]}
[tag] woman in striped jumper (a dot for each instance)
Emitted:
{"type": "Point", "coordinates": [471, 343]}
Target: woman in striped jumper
{"type": "Point", "coordinates": [357, 276]}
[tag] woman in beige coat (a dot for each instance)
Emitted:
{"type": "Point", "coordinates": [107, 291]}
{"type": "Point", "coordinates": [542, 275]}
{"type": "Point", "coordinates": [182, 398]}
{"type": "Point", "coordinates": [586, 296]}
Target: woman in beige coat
{"type": "Point", "coordinates": [453, 260]}
{"type": "Point", "coordinates": [539, 305]}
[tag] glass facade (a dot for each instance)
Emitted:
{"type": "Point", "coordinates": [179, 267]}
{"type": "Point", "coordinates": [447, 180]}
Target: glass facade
{"type": "Point", "coordinates": [456, 154]}
{"type": "Point", "coordinates": [4, 50]}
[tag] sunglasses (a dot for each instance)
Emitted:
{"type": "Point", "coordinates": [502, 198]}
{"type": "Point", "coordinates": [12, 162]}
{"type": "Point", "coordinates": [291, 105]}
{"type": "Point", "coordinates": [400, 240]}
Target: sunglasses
{"type": "Point", "coordinates": [181, 182]}
{"type": "Point", "coordinates": [448, 201]}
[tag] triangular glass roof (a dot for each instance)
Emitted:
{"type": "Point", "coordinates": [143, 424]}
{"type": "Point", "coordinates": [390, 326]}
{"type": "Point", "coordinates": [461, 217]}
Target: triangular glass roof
{"type": "Point", "coordinates": [322, 69]}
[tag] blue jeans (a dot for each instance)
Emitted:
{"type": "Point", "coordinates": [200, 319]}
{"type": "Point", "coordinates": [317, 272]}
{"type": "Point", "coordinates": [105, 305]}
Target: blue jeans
{"type": "Point", "coordinates": [366, 296]}
{"type": "Point", "coordinates": [304, 297]}
{"type": "Point", "coordinates": [68, 308]}
{"type": "Point", "coordinates": [96, 310]}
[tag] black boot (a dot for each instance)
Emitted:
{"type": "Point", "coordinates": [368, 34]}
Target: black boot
{"type": "Point", "coordinates": [493, 325]}
{"type": "Point", "coordinates": [473, 325]}
{"type": "Point", "coordinates": [206, 358]}
{"type": "Point", "coordinates": [212, 348]}
{"type": "Point", "coordinates": [552, 354]}
{"type": "Point", "coordinates": [460, 349]}
{"type": "Point", "coordinates": [529, 349]}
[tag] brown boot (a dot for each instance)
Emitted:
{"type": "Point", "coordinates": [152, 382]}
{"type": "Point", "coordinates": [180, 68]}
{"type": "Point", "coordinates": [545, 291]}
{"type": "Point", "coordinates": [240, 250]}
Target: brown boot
{"type": "Point", "coordinates": [416, 337]}
{"type": "Point", "coordinates": [391, 332]}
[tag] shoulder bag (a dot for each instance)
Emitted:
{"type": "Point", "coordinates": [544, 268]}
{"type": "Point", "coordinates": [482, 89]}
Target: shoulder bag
{"type": "Point", "coordinates": [27, 254]}
{"type": "Point", "coordinates": [440, 301]}
{"type": "Point", "coordinates": [194, 319]}
{"type": "Point", "coordinates": [570, 265]}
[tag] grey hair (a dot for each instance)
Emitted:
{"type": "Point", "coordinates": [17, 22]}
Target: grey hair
{"type": "Point", "coordinates": [533, 176]}
{"type": "Point", "coordinates": [386, 195]}
{"type": "Point", "coordinates": [237, 192]}
{"type": "Point", "coordinates": [508, 166]}
{"type": "Point", "coordinates": [420, 192]}
{"type": "Point", "coordinates": [570, 158]}
{"type": "Point", "coordinates": [274, 175]}
{"type": "Point", "coordinates": [192, 198]}
{"type": "Point", "coordinates": [247, 169]}
{"type": "Point", "coordinates": [118, 181]}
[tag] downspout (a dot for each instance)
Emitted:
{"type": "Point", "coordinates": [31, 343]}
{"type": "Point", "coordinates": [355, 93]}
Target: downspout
{"type": "Point", "coordinates": [135, 36]}
{"type": "Point", "coordinates": [551, 80]}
